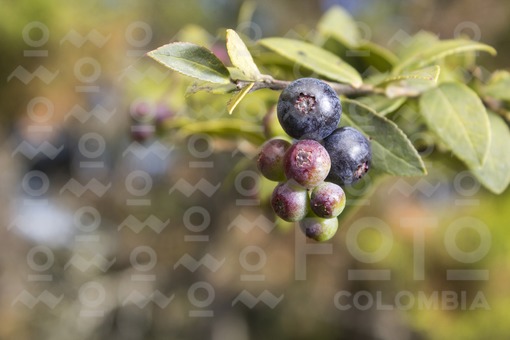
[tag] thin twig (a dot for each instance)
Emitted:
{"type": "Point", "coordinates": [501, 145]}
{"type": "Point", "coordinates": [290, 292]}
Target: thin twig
{"type": "Point", "coordinates": [341, 89]}
{"type": "Point", "coordinates": [496, 106]}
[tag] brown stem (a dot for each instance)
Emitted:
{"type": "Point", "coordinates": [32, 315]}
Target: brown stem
{"type": "Point", "coordinates": [496, 106]}
{"type": "Point", "coordinates": [341, 89]}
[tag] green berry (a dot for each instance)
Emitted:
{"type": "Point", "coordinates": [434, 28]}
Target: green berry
{"type": "Point", "coordinates": [319, 229]}
{"type": "Point", "coordinates": [327, 200]}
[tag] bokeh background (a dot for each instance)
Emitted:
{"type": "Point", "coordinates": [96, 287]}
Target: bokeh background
{"type": "Point", "coordinates": [115, 226]}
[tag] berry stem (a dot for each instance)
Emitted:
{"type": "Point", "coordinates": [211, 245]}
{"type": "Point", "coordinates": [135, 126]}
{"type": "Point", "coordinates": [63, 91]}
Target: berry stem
{"type": "Point", "coordinates": [268, 82]}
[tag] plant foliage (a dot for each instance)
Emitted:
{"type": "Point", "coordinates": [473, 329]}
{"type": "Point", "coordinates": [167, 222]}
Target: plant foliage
{"type": "Point", "coordinates": [439, 80]}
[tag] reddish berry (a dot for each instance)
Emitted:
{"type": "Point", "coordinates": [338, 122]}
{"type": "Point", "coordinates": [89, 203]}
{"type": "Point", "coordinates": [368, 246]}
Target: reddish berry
{"type": "Point", "coordinates": [270, 159]}
{"type": "Point", "coordinates": [307, 162]}
{"type": "Point", "coordinates": [290, 201]}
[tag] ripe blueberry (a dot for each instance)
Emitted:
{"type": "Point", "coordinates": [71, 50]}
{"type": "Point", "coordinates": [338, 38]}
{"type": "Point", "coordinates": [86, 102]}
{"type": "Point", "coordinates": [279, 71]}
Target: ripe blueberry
{"type": "Point", "coordinates": [290, 201]}
{"type": "Point", "coordinates": [270, 159]}
{"type": "Point", "coordinates": [309, 108]}
{"type": "Point", "coordinates": [327, 200]}
{"type": "Point", "coordinates": [307, 162]}
{"type": "Point", "coordinates": [350, 155]}
{"type": "Point", "coordinates": [319, 229]}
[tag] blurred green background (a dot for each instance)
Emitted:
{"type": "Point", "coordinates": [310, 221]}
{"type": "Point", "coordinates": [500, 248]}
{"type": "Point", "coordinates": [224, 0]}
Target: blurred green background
{"type": "Point", "coordinates": [167, 239]}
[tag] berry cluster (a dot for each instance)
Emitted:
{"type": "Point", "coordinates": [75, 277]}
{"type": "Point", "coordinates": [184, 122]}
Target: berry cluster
{"type": "Point", "coordinates": [312, 170]}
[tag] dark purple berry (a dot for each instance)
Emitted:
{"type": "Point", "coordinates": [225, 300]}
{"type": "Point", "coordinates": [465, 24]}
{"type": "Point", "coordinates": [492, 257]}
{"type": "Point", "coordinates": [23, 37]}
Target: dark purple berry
{"type": "Point", "coordinates": [290, 201]}
{"type": "Point", "coordinates": [307, 162]}
{"type": "Point", "coordinates": [327, 200]}
{"type": "Point", "coordinates": [270, 159]}
{"type": "Point", "coordinates": [309, 109]}
{"type": "Point", "coordinates": [142, 132]}
{"type": "Point", "coordinates": [142, 119]}
{"type": "Point", "coordinates": [319, 229]}
{"type": "Point", "coordinates": [350, 155]}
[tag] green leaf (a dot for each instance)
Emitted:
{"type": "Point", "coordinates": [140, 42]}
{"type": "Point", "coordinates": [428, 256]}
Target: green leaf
{"type": "Point", "coordinates": [495, 173]}
{"type": "Point", "coordinates": [192, 60]}
{"type": "Point", "coordinates": [441, 49]}
{"type": "Point", "coordinates": [430, 73]}
{"type": "Point", "coordinates": [498, 86]}
{"type": "Point", "coordinates": [412, 83]}
{"type": "Point", "coordinates": [248, 8]}
{"type": "Point", "coordinates": [376, 78]}
{"type": "Point", "coordinates": [240, 56]}
{"type": "Point", "coordinates": [466, 60]}
{"type": "Point", "coordinates": [377, 56]}
{"type": "Point", "coordinates": [338, 23]}
{"type": "Point", "coordinates": [456, 114]}
{"type": "Point", "coordinates": [382, 105]}
{"type": "Point", "coordinates": [315, 58]}
{"type": "Point", "coordinates": [415, 44]}
{"type": "Point", "coordinates": [237, 74]}
{"type": "Point", "coordinates": [236, 98]}
{"type": "Point", "coordinates": [392, 152]}
{"type": "Point", "coordinates": [210, 87]}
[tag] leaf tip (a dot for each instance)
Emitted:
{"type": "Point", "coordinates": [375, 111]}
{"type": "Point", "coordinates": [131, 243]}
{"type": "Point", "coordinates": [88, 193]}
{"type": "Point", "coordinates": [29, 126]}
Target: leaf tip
{"type": "Point", "coordinates": [150, 54]}
{"type": "Point", "coordinates": [357, 83]}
